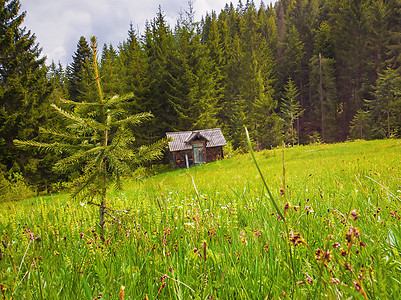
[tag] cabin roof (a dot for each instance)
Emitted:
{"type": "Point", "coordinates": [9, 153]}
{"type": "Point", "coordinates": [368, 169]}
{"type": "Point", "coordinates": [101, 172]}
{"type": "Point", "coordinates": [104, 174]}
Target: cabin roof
{"type": "Point", "coordinates": [182, 140]}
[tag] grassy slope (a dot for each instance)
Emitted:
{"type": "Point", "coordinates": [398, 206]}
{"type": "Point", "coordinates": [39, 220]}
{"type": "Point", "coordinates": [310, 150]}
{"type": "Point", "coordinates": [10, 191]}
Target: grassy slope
{"type": "Point", "coordinates": [231, 222]}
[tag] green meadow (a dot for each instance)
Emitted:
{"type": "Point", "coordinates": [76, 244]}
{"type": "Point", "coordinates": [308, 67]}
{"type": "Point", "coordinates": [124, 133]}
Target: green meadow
{"type": "Point", "coordinates": [212, 232]}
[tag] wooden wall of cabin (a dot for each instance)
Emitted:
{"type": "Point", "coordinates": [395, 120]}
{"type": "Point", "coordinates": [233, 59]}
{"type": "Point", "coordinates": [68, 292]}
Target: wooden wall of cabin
{"type": "Point", "coordinates": [214, 153]}
{"type": "Point", "coordinates": [179, 158]}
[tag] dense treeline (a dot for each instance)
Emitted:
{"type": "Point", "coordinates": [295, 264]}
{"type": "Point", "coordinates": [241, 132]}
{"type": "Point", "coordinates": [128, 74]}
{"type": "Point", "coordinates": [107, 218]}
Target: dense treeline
{"type": "Point", "coordinates": [298, 71]}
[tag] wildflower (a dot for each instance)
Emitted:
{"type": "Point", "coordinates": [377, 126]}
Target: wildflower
{"type": "Point", "coordinates": [81, 235]}
{"type": "Point", "coordinates": [335, 281]}
{"type": "Point", "coordinates": [296, 208]}
{"type": "Point", "coordinates": [317, 254]}
{"type": "Point", "coordinates": [56, 252]}
{"type": "Point", "coordinates": [308, 209]}
{"type": "Point", "coordinates": [343, 252]}
{"type": "Point", "coordinates": [336, 245]}
{"type": "Point", "coordinates": [296, 238]}
{"type": "Point", "coordinates": [324, 256]}
{"type": "Point", "coordinates": [286, 207]}
{"type": "Point", "coordinates": [354, 215]}
{"type": "Point", "coordinates": [170, 269]}
{"type": "Point", "coordinates": [327, 255]}
{"type": "Point", "coordinates": [361, 243]}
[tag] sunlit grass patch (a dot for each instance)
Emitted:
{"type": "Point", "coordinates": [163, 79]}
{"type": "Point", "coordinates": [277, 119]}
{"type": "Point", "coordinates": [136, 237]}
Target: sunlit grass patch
{"type": "Point", "coordinates": [163, 240]}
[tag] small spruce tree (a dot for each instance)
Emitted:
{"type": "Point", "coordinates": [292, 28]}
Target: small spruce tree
{"type": "Point", "coordinates": [290, 108]}
{"type": "Point", "coordinates": [98, 141]}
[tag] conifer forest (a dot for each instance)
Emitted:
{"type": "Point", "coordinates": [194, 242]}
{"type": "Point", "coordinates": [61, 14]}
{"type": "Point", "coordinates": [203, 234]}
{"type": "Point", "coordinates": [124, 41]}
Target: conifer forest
{"type": "Point", "coordinates": [296, 71]}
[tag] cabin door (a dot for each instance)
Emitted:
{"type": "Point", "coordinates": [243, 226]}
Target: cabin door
{"type": "Point", "coordinates": [199, 153]}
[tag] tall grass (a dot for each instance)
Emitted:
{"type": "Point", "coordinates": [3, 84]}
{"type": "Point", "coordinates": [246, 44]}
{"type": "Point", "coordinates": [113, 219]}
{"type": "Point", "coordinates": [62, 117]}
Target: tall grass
{"type": "Point", "coordinates": [211, 232]}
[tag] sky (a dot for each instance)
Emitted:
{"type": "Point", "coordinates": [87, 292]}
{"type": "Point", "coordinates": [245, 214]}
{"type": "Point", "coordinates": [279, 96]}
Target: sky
{"type": "Point", "coordinates": [58, 24]}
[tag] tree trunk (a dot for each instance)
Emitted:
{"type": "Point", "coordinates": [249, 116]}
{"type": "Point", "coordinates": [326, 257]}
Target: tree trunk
{"type": "Point", "coordinates": [321, 93]}
{"type": "Point", "coordinates": [388, 123]}
{"type": "Point", "coordinates": [102, 214]}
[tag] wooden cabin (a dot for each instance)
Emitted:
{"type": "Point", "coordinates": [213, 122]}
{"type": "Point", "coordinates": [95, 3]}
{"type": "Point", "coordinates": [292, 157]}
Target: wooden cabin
{"type": "Point", "coordinates": [191, 148]}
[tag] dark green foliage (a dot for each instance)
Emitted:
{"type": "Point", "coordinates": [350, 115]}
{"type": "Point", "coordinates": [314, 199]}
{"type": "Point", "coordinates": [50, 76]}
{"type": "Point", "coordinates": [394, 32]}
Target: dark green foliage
{"type": "Point", "coordinates": [79, 71]}
{"type": "Point", "coordinates": [23, 92]}
{"type": "Point", "coordinates": [290, 110]}
{"type": "Point", "coordinates": [360, 125]}
{"type": "Point", "coordinates": [386, 104]}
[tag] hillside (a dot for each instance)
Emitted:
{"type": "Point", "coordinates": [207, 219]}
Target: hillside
{"type": "Point", "coordinates": [211, 233]}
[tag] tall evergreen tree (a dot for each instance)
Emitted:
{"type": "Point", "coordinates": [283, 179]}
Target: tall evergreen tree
{"type": "Point", "coordinates": [290, 110]}
{"type": "Point", "coordinates": [109, 71]}
{"type": "Point", "coordinates": [132, 68]}
{"type": "Point", "coordinates": [394, 30]}
{"type": "Point", "coordinates": [386, 105]}
{"type": "Point", "coordinates": [160, 54]}
{"type": "Point", "coordinates": [23, 88]}
{"type": "Point", "coordinates": [350, 40]}
{"type": "Point", "coordinates": [79, 71]}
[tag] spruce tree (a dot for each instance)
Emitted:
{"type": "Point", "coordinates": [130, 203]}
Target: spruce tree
{"type": "Point", "coordinates": [79, 71]}
{"type": "Point", "coordinates": [109, 71]}
{"type": "Point", "coordinates": [97, 142]}
{"type": "Point", "coordinates": [386, 104]}
{"type": "Point", "coordinates": [23, 89]}
{"type": "Point", "coordinates": [132, 68]}
{"type": "Point", "coordinates": [350, 40]}
{"type": "Point", "coordinates": [161, 54]}
{"type": "Point", "coordinates": [290, 109]}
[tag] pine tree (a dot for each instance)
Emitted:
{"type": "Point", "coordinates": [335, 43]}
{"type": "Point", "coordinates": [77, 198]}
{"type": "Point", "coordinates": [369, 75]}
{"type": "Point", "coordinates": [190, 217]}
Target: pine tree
{"type": "Point", "coordinates": [360, 125]}
{"type": "Point", "coordinates": [290, 109]}
{"type": "Point", "coordinates": [385, 107]}
{"type": "Point", "coordinates": [350, 40]}
{"type": "Point", "coordinates": [393, 53]}
{"type": "Point", "coordinates": [132, 68]}
{"type": "Point", "coordinates": [23, 89]}
{"type": "Point", "coordinates": [161, 54]}
{"type": "Point", "coordinates": [109, 71]}
{"type": "Point", "coordinates": [98, 143]}
{"type": "Point", "coordinates": [78, 72]}
{"type": "Point", "coordinates": [215, 65]}
{"type": "Point", "coordinates": [324, 108]}
{"type": "Point", "coordinates": [195, 98]}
